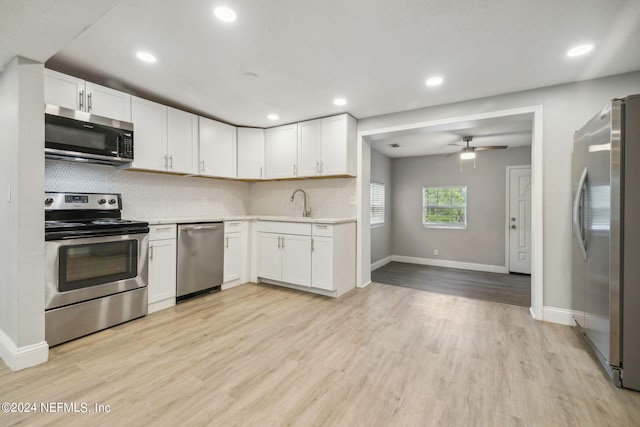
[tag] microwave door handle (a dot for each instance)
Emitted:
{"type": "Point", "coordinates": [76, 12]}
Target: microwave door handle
{"type": "Point", "coordinates": [117, 145]}
{"type": "Point", "coordinates": [578, 226]}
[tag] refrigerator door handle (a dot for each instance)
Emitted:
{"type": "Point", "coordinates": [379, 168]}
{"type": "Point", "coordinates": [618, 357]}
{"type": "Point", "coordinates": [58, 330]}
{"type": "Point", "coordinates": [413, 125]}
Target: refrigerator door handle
{"type": "Point", "coordinates": [577, 204]}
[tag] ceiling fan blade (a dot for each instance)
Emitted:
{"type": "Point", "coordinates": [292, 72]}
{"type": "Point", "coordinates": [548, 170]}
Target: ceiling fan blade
{"type": "Point", "coordinates": [491, 147]}
{"type": "Point", "coordinates": [456, 145]}
{"type": "Point", "coordinates": [451, 154]}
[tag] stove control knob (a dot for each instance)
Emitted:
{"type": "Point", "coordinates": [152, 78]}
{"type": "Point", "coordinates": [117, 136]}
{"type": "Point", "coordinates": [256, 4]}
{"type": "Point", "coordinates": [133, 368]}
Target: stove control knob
{"type": "Point", "coordinates": [48, 201]}
{"type": "Point", "coordinates": [102, 201]}
{"type": "Point", "coordinates": [112, 201]}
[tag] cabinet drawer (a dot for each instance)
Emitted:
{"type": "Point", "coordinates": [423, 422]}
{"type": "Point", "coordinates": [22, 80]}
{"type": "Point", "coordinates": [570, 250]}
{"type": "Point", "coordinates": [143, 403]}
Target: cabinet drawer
{"type": "Point", "coordinates": [234, 226]}
{"type": "Point", "coordinates": [285, 227]}
{"type": "Point", "coordinates": [162, 231]}
{"type": "Point", "coordinates": [325, 230]}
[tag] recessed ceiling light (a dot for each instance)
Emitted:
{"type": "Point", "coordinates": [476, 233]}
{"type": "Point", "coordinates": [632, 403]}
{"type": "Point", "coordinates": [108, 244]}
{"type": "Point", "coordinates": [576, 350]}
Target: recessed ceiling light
{"type": "Point", "coordinates": [583, 49]}
{"type": "Point", "coordinates": [434, 81]}
{"type": "Point", "coordinates": [224, 14]}
{"type": "Point", "coordinates": [339, 101]}
{"type": "Point", "coordinates": [146, 56]}
{"type": "Point", "coordinates": [394, 145]}
{"type": "Point", "coordinates": [273, 117]}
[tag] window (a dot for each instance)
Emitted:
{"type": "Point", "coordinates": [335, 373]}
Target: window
{"type": "Point", "coordinates": [444, 207]}
{"type": "Point", "coordinates": [376, 204]}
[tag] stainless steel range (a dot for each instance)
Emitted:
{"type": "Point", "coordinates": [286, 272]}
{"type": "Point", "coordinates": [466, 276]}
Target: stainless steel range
{"type": "Point", "coordinates": [95, 265]}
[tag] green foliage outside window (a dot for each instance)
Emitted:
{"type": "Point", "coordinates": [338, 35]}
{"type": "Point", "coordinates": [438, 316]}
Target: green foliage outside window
{"type": "Point", "coordinates": [445, 206]}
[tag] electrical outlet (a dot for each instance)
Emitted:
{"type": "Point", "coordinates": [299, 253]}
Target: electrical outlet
{"type": "Point", "coordinates": [436, 252]}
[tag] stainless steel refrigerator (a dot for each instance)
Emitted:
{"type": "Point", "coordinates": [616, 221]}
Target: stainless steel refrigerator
{"type": "Point", "coordinates": [606, 244]}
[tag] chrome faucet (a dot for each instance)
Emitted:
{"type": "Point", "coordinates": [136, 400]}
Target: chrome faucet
{"type": "Point", "coordinates": [306, 212]}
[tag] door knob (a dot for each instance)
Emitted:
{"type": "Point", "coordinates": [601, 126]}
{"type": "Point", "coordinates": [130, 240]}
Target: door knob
{"type": "Point", "coordinates": [513, 219]}
{"type": "Point", "coordinates": [513, 227]}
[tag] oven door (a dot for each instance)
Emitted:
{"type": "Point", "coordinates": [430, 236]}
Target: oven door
{"type": "Point", "coordinates": [87, 268]}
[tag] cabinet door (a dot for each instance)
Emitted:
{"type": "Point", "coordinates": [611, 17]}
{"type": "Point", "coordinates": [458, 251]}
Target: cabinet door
{"type": "Point", "coordinates": [217, 148]}
{"type": "Point", "coordinates": [108, 102]}
{"type": "Point", "coordinates": [322, 263]}
{"type": "Point", "coordinates": [63, 90]}
{"type": "Point", "coordinates": [162, 270]}
{"type": "Point", "coordinates": [250, 153]}
{"type": "Point", "coordinates": [149, 135]}
{"type": "Point", "coordinates": [232, 256]}
{"type": "Point", "coordinates": [182, 145]}
{"type": "Point", "coordinates": [309, 148]}
{"type": "Point", "coordinates": [269, 256]}
{"type": "Point", "coordinates": [333, 148]}
{"type": "Point", "coordinates": [281, 151]}
{"type": "Point", "coordinates": [296, 259]}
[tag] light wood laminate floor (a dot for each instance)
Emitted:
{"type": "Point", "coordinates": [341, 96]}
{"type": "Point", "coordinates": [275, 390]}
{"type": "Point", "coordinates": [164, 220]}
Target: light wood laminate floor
{"type": "Point", "coordinates": [258, 355]}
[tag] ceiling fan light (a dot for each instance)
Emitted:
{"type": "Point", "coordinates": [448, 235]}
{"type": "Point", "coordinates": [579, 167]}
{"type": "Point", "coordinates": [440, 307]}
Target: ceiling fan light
{"type": "Point", "coordinates": [467, 155]}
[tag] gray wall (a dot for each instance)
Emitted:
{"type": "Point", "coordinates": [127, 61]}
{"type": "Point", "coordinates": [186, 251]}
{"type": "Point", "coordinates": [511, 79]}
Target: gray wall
{"type": "Point", "coordinates": [565, 109]}
{"type": "Point", "coordinates": [381, 172]}
{"type": "Point", "coordinates": [21, 215]}
{"type": "Point", "coordinates": [483, 241]}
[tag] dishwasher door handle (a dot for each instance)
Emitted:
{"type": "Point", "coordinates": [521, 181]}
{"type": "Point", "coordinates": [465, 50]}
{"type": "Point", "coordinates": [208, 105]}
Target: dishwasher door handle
{"type": "Point", "coordinates": [201, 227]}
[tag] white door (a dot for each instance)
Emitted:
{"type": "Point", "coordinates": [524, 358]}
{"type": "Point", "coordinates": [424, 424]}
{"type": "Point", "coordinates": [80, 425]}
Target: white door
{"type": "Point", "coordinates": [108, 102]}
{"type": "Point", "coordinates": [281, 152]}
{"type": "Point", "coordinates": [63, 90]}
{"type": "Point", "coordinates": [232, 257]}
{"type": "Point", "coordinates": [149, 134]}
{"type": "Point", "coordinates": [162, 270]}
{"type": "Point", "coordinates": [296, 259]}
{"type": "Point", "coordinates": [217, 149]}
{"type": "Point", "coordinates": [520, 220]}
{"type": "Point", "coordinates": [309, 148]}
{"type": "Point", "coordinates": [322, 263]}
{"type": "Point", "coordinates": [269, 256]}
{"type": "Point", "coordinates": [333, 155]}
{"type": "Point", "coordinates": [182, 146]}
{"type": "Point", "coordinates": [250, 153]}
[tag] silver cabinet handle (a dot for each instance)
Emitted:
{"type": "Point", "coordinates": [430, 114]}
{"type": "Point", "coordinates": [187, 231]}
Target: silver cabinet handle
{"type": "Point", "coordinates": [170, 161]}
{"type": "Point", "coordinates": [282, 242]}
{"type": "Point", "coordinates": [279, 242]}
{"type": "Point", "coordinates": [226, 243]}
{"type": "Point", "coordinates": [317, 166]}
{"type": "Point", "coordinates": [162, 228]}
{"type": "Point", "coordinates": [201, 165]}
{"type": "Point", "coordinates": [166, 161]}
{"type": "Point", "coordinates": [312, 246]}
{"type": "Point", "coordinates": [89, 106]}
{"type": "Point", "coordinates": [320, 226]}
{"type": "Point", "coordinates": [81, 99]}
{"type": "Point", "coordinates": [295, 169]}
{"type": "Point", "coordinates": [261, 176]}
{"type": "Point", "coordinates": [151, 252]}
{"type": "Point", "coordinates": [321, 167]}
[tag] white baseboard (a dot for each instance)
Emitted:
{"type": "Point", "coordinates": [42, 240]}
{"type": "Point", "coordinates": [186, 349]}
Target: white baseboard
{"type": "Point", "coordinates": [23, 357]}
{"type": "Point", "coordinates": [365, 285]}
{"type": "Point", "coordinates": [380, 263]}
{"type": "Point", "coordinates": [232, 284]}
{"type": "Point", "coordinates": [562, 316]}
{"type": "Point", "coordinates": [451, 264]}
{"type": "Point", "coordinates": [161, 305]}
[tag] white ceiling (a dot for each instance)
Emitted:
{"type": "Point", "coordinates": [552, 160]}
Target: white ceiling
{"type": "Point", "coordinates": [512, 131]}
{"type": "Point", "coordinates": [375, 53]}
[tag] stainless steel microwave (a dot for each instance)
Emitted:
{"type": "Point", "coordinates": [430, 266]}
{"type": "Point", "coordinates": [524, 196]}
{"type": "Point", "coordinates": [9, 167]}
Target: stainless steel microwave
{"type": "Point", "coordinates": [80, 136]}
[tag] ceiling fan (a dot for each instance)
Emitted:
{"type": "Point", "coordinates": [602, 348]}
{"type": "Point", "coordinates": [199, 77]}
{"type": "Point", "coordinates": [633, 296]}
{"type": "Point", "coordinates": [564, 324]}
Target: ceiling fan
{"type": "Point", "coordinates": [468, 152]}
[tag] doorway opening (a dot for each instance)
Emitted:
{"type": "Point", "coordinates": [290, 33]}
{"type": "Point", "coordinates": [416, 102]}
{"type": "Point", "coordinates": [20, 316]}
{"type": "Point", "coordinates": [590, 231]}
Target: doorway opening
{"type": "Point", "coordinates": [459, 126]}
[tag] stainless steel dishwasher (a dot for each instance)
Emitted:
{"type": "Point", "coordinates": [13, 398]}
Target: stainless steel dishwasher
{"type": "Point", "coordinates": [200, 258]}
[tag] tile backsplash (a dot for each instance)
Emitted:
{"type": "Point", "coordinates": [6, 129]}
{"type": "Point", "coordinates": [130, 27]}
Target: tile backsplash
{"type": "Point", "coordinates": [329, 198]}
{"type": "Point", "coordinates": [149, 195]}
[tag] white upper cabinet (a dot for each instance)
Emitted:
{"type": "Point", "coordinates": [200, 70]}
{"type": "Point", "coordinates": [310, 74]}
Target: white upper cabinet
{"type": "Point", "coordinates": [217, 149]}
{"type": "Point", "coordinates": [149, 135]}
{"type": "Point", "coordinates": [327, 147]}
{"type": "Point", "coordinates": [77, 94]}
{"type": "Point", "coordinates": [182, 142]}
{"type": "Point", "coordinates": [309, 139]}
{"type": "Point", "coordinates": [281, 152]}
{"type": "Point", "coordinates": [250, 153]}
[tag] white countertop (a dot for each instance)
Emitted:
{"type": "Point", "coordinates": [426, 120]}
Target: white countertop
{"type": "Point", "coordinates": [312, 220]}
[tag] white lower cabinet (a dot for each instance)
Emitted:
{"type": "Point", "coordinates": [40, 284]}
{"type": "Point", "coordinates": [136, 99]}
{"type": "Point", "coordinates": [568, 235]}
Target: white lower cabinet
{"type": "Point", "coordinates": [236, 253]}
{"type": "Point", "coordinates": [162, 267]}
{"type": "Point", "coordinates": [317, 258]}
